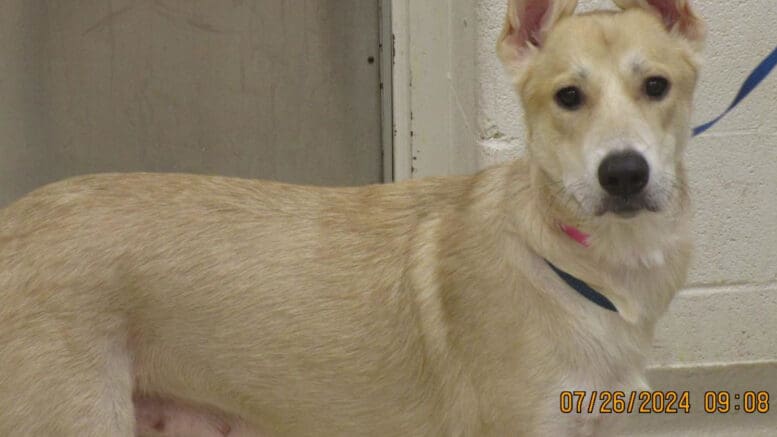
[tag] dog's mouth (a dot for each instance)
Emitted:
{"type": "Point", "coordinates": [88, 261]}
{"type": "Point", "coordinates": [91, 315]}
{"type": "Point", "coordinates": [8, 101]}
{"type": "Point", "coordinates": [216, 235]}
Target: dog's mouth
{"type": "Point", "coordinates": [626, 206]}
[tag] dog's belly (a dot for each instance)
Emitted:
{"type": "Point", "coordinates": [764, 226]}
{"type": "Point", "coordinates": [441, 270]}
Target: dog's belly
{"type": "Point", "coordinates": [159, 417]}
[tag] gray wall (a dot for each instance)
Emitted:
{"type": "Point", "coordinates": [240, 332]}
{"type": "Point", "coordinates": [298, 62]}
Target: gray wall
{"type": "Point", "coordinates": [278, 89]}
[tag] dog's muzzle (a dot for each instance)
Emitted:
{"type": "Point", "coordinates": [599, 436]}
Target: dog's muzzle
{"type": "Point", "coordinates": [624, 177]}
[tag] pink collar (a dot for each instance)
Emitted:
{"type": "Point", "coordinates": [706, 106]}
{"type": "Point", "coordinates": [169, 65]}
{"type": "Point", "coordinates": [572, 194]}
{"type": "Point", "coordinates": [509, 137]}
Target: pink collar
{"type": "Point", "coordinates": [576, 234]}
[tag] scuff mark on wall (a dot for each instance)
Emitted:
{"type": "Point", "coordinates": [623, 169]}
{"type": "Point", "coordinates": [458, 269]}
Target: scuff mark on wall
{"type": "Point", "coordinates": [109, 19]}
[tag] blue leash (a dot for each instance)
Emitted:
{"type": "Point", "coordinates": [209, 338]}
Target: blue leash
{"type": "Point", "coordinates": [756, 77]}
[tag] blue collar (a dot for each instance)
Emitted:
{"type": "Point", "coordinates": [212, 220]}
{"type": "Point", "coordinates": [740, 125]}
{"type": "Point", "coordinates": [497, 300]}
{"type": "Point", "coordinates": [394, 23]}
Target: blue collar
{"type": "Point", "coordinates": [584, 289]}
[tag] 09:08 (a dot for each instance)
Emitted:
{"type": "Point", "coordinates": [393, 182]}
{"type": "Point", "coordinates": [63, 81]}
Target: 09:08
{"type": "Point", "coordinates": [752, 402]}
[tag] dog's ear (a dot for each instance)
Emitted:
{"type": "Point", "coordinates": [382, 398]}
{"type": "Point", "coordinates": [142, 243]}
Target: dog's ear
{"type": "Point", "coordinates": [678, 16]}
{"type": "Point", "coordinates": [527, 24]}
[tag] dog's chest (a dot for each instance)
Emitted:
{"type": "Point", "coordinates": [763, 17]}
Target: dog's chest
{"type": "Point", "coordinates": [607, 357]}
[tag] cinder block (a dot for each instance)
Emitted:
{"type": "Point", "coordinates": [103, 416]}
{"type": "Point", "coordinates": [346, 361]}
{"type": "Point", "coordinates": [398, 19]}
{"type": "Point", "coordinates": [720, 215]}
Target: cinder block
{"type": "Point", "coordinates": [734, 188]}
{"type": "Point", "coordinates": [724, 325]}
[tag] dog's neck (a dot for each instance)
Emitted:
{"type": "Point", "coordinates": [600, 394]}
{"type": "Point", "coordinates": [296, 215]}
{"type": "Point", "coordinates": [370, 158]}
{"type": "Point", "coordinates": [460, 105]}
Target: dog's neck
{"type": "Point", "coordinates": [636, 243]}
{"type": "Point", "coordinates": [607, 252]}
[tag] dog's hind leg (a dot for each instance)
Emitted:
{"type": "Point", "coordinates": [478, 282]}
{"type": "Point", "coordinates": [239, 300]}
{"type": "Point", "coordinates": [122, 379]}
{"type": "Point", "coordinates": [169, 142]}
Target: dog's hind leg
{"type": "Point", "coordinates": [60, 378]}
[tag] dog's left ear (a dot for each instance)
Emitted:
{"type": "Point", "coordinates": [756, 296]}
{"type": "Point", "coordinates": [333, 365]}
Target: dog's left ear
{"type": "Point", "coordinates": [527, 24]}
{"type": "Point", "coordinates": [678, 16]}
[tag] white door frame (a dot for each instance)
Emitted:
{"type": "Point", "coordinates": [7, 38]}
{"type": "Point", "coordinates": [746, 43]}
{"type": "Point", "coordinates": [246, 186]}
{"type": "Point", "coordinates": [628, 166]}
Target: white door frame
{"type": "Point", "coordinates": [388, 142]}
{"type": "Point", "coordinates": [433, 97]}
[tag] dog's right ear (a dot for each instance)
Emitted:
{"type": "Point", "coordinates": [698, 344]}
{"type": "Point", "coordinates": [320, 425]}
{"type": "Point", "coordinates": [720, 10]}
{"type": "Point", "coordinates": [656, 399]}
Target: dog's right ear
{"type": "Point", "coordinates": [678, 16]}
{"type": "Point", "coordinates": [526, 26]}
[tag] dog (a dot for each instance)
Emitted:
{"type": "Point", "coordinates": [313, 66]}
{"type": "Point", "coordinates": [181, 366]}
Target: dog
{"type": "Point", "coordinates": [182, 305]}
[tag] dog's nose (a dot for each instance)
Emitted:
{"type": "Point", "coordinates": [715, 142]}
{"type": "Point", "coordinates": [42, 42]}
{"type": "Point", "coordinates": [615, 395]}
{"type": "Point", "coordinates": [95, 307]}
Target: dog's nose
{"type": "Point", "coordinates": [624, 173]}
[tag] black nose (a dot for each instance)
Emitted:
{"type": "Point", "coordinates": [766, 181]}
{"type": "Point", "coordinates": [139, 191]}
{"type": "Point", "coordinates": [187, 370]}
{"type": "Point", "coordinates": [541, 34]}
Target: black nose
{"type": "Point", "coordinates": [624, 173]}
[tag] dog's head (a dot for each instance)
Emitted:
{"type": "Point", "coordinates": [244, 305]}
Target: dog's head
{"type": "Point", "coordinates": [607, 97]}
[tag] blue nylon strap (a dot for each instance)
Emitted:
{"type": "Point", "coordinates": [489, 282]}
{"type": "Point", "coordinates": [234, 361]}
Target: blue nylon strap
{"type": "Point", "coordinates": [584, 289]}
{"type": "Point", "coordinates": [756, 77]}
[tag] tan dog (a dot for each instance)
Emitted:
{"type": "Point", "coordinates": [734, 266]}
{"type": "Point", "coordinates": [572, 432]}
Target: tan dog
{"type": "Point", "coordinates": [189, 305]}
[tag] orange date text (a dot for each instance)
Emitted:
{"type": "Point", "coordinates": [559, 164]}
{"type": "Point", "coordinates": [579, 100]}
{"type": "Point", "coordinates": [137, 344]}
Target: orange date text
{"type": "Point", "coordinates": [619, 402]}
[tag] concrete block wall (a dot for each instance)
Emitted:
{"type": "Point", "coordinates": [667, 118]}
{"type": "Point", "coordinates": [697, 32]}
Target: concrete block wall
{"type": "Point", "coordinates": [728, 313]}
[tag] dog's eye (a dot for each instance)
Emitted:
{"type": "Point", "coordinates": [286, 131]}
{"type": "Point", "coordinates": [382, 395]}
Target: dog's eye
{"type": "Point", "coordinates": [656, 87]}
{"type": "Point", "coordinates": [569, 98]}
